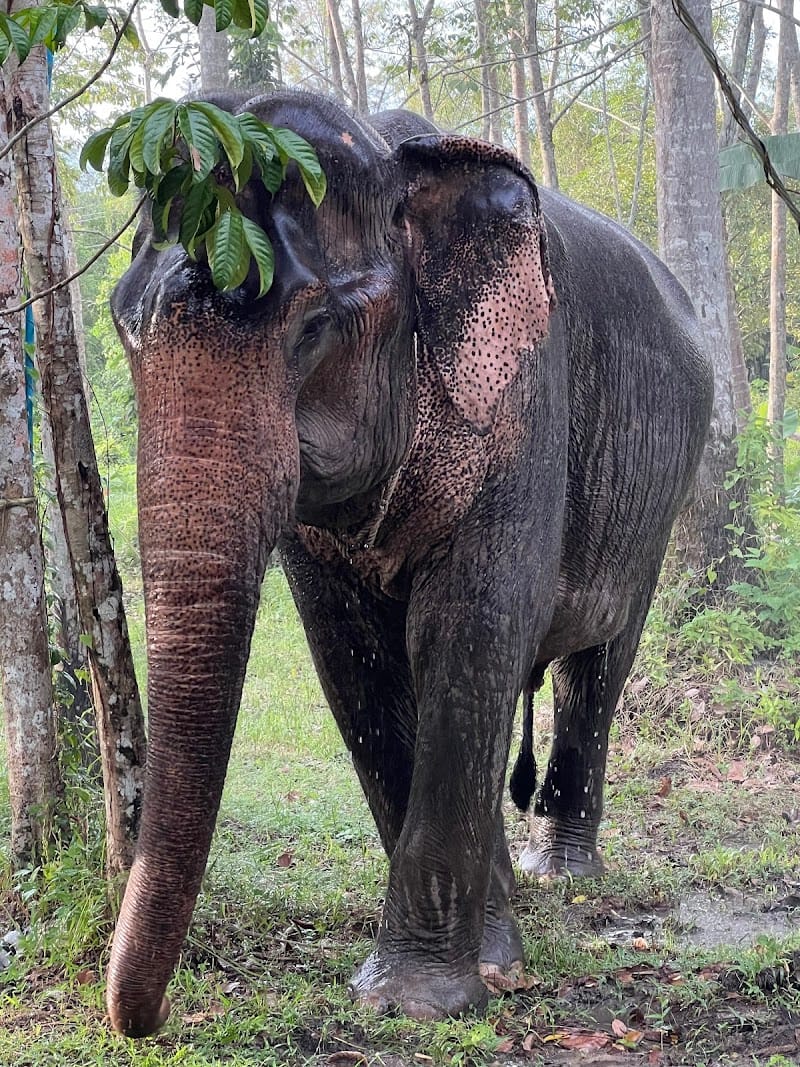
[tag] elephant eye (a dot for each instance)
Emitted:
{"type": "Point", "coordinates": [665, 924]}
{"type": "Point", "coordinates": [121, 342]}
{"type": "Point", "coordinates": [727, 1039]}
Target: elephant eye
{"type": "Point", "coordinates": [313, 328]}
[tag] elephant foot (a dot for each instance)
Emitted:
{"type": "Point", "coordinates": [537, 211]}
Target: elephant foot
{"type": "Point", "coordinates": [561, 850]}
{"type": "Point", "coordinates": [502, 956]}
{"type": "Point", "coordinates": [386, 983]}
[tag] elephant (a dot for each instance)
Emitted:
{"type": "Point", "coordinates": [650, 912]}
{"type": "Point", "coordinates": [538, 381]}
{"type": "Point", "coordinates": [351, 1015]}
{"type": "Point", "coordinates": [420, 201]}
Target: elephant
{"type": "Point", "coordinates": [467, 413]}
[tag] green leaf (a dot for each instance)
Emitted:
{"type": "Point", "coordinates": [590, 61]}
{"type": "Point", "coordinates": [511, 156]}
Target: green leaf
{"type": "Point", "coordinates": [193, 9]}
{"type": "Point", "coordinates": [200, 138]}
{"type": "Point", "coordinates": [119, 157]}
{"type": "Point", "coordinates": [223, 13]}
{"type": "Point", "coordinates": [272, 170]}
{"type": "Point", "coordinates": [257, 132]}
{"type": "Point", "coordinates": [17, 37]}
{"type": "Point", "coordinates": [95, 16]}
{"type": "Point", "coordinates": [175, 180]}
{"type": "Point", "coordinates": [94, 151]}
{"type": "Point", "coordinates": [251, 15]}
{"type": "Point", "coordinates": [291, 146]}
{"type": "Point", "coordinates": [228, 252]}
{"type": "Point", "coordinates": [68, 18]}
{"type": "Point", "coordinates": [45, 26]}
{"type": "Point", "coordinates": [261, 250]}
{"type": "Point", "coordinates": [741, 168]}
{"type": "Point", "coordinates": [131, 35]}
{"type": "Point", "coordinates": [171, 8]}
{"type": "Point", "coordinates": [226, 128]}
{"type": "Point", "coordinates": [158, 124]}
{"type": "Point", "coordinates": [199, 197]}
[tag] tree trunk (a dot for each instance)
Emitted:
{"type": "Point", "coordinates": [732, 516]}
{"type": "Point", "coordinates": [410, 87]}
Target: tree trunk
{"type": "Point", "coordinates": [520, 92]}
{"type": "Point", "coordinates": [759, 39]}
{"type": "Point", "coordinates": [544, 123]}
{"type": "Point", "coordinates": [484, 55]}
{"type": "Point", "coordinates": [419, 23]}
{"type": "Point", "coordinates": [25, 674]}
{"type": "Point", "coordinates": [341, 48]}
{"type": "Point", "coordinates": [362, 103]}
{"type": "Point", "coordinates": [741, 44]}
{"type": "Point", "coordinates": [334, 62]}
{"type": "Point", "coordinates": [214, 68]}
{"type": "Point", "coordinates": [691, 241]}
{"type": "Point", "coordinates": [776, 400]}
{"type": "Point", "coordinates": [99, 589]}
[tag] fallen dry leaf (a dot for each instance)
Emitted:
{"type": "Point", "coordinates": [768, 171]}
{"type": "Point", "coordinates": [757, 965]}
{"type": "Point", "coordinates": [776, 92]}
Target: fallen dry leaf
{"type": "Point", "coordinates": [511, 981]}
{"type": "Point", "coordinates": [529, 1041]}
{"type": "Point", "coordinates": [505, 1046]}
{"type": "Point", "coordinates": [346, 1056]}
{"type": "Point", "coordinates": [654, 1057]}
{"type": "Point", "coordinates": [736, 772]}
{"type": "Point", "coordinates": [641, 944]}
{"type": "Point", "coordinates": [618, 1028]}
{"type": "Point", "coordinates": [85, 977]}
{"type": "Point", "coordinates": [286, 859]}
{"type": "Point", "coordinates": [585, 1042]}
{"type": "Point", "coordinates": [664, 786]}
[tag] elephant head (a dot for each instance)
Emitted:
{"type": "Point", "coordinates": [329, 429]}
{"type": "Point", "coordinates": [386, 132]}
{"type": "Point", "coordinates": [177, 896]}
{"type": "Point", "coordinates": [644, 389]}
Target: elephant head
{"type": "Point", "coordinates": [297, 407]}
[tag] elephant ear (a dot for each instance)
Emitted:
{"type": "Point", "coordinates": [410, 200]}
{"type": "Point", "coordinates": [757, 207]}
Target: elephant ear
{"type": "Point", "coordinates": [479, 252]}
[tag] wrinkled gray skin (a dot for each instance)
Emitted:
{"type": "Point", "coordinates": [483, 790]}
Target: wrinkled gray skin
{"type": "Point", "coordinates": [471, 458]}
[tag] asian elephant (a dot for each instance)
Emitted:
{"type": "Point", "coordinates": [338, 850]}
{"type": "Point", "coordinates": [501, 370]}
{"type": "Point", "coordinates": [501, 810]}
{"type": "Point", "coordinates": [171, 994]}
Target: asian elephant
{"type": "Point", "coordinates": [467, 412]}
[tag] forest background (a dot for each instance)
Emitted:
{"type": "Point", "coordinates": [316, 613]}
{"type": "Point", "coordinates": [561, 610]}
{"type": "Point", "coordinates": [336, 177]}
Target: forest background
{"type": "Point", "coordinates": [572, 89]}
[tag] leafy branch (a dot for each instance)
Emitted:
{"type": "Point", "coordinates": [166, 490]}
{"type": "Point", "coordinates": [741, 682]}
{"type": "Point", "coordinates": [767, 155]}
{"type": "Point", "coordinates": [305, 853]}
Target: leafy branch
{"type": "Point", "coordinates": [50, 26]}
{"type": "Point", "coordinates": [191, 159]}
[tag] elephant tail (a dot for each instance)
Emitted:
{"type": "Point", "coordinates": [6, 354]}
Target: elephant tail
{"type": "Point", "coordinates": [523, 778]}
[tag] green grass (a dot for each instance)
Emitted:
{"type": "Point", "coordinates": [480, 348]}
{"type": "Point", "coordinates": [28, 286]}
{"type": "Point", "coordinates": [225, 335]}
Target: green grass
{"type": "Point", "coordinates": [291, 901]}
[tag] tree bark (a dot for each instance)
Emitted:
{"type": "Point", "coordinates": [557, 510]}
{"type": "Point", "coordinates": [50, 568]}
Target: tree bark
{"type": "Point", "coordinates": [334, 61]}
{"type": "Point", "coordinates": [759, 39]}
{"type": "Point", "coordinates": [419, 24]}
{"type": "Point", "coordinates": [214, 67]}
{"type": "Point", "coordinates": [99, 589]}
{"type": "Point", "coordinates": [691, 241]}
{"type": "Point", "coordinates": [362, 103]}
{"type": "Point", "coordinates": [488, 102]}
{"type": "Point", "coordinates": [520, 92]}
{"type": "Point", "coordinates": [544, 122]}
{"type": "Point", "coordinates": [25, 673]}
{"type": "Point", "coordinates": [776, 399]}
{"type": "Point", "coordinates": [741, 44]}
{"type": "Point", "coordinates": [341, 47]}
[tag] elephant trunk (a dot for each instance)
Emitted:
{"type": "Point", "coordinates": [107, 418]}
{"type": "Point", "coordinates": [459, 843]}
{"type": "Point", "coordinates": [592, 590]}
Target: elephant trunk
{"type": "Point", "coordinates": [213, 500]}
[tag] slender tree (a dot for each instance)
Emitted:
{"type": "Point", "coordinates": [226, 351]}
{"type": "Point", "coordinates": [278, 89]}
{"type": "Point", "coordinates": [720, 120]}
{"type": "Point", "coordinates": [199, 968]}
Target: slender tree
{"type": "Point", "coordinates": [691, 242]}
{"type": "Point", "coordinates": [419, 24]}
{"type": "Point", "coordinates": [97, 582]}
{"type": "Point", "coordinates": [776, 401]}
{"type": "Point", "coordinates": [25, 673]}
{"type": "Point", "coordinates": [214, 66]}
{"type": "Point", "coordinates": [541, 104]}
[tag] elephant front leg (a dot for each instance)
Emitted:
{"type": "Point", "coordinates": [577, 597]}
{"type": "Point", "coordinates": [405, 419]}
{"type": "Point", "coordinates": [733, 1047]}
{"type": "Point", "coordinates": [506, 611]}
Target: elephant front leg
{"type": "Point", "coordinates": [445, 888]}
{"type": "Point", "coordinates": [502, 956]}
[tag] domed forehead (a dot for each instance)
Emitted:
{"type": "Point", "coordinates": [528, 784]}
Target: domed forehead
{"type": "Point", "coordinates": [340, 139]}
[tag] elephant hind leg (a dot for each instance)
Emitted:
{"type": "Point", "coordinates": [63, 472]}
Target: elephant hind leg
{"type": "Point", "coordinates": [522, 784]}
{"type": "Point", "coordinates": [586, 688]}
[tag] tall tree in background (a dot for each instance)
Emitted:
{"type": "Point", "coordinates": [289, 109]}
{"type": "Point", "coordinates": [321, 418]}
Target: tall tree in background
{"type": "Point", "coordinates": [419, 25]}
{"type": "Point", "coordinates": [776, 402]}
{"type": "Point", "coordinates": [490, 95]}
{"type": "Point", "coordinates": [541, 99]}
{"type": "Point", "coordinates": [214, 70]}
{"type": "Point", "coordinates": [25, 673]}
{"type": "Point", "coordinates": [692, 244]}
{"type": "Point", "coordinates": [97, 582]}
